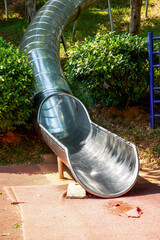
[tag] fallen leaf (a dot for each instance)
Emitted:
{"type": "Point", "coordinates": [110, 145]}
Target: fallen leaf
{"type": "Point", "coordinates": [14, 203]}
{"type": "Point", "coordinates": [139, 210]}
{"type": "Point", "coordinates": [117, 205]}
{"type": "Point", "coordinates": [16, 226]}
{"type": "Point", "coordinates": [4, 234]}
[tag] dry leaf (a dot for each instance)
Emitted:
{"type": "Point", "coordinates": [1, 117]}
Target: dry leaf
{"type": "Point", "coordinates": [4, 234]}
{"type": "Point", "coordinates": [14, 203]}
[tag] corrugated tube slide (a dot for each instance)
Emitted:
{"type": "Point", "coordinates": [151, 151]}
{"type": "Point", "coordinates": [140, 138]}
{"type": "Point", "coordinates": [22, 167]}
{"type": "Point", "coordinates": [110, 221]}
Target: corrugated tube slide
{"type": "Point", "coordinates": [102, 162]}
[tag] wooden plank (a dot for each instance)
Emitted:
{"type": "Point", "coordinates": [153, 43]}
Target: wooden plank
{"type": "Point", "coordinates": [60, 168]}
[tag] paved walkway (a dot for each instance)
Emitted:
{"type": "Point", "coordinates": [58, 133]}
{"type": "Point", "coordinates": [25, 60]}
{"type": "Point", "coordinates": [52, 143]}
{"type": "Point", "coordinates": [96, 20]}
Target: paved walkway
{"type": "Point", "coordinates": [43, 213]}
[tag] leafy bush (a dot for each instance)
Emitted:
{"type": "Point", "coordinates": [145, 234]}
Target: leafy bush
{"type": "Point", "coordinates": [109, 69]}
{"type": "Point", "coordinates": [16, 87]}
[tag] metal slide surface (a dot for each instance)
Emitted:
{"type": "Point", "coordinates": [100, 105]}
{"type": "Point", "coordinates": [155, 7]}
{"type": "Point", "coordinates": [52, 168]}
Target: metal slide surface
{"type": "Point", "coordinates": [103, 163]}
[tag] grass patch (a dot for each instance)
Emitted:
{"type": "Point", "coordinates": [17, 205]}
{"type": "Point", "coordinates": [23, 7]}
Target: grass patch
{"type": "Point", "coordinates": [8, 30]}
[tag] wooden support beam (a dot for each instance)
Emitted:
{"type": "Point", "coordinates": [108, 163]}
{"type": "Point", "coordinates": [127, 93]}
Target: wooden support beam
{"type": "Point", "coordinates": [60, 168]}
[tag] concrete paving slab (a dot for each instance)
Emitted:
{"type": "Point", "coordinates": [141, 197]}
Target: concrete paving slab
{"type": "Point", "coordinates": [46, 207]}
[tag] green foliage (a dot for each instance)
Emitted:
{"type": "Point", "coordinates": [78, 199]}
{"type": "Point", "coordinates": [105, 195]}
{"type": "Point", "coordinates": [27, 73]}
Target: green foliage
{"type": "Point", "coordinates": [109, 69]}
{"type": "Point", "coordinates": [16, 226]}
{"type": "Point", "coordinates": [16, 87]}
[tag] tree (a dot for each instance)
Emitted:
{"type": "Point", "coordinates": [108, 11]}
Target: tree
{"type": "Point", "coordinates": [135, 6]}
{"type": "Point", "coordinates": [31, 9]}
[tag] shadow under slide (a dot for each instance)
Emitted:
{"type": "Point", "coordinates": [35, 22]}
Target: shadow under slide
{"type": "Point", "coordinates": [102, 162]}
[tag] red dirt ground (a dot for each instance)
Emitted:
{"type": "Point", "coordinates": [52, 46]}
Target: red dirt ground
{"type": "Point", "coordinates": [11, 137]}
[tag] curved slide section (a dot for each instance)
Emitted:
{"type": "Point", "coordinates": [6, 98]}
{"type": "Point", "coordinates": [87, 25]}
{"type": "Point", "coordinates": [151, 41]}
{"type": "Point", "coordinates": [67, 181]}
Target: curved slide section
{"type": "Point", "coordinates": [102, 162]}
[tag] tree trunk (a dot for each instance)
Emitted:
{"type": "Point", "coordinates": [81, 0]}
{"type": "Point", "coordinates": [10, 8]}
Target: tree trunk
{"type": "Point", "coordinates": [135, 6]}
{"type": "Point", "coordinates": [31, 9]}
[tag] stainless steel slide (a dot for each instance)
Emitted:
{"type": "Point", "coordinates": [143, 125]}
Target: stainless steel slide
{"type": "Point", "coordinates": [103, 163]}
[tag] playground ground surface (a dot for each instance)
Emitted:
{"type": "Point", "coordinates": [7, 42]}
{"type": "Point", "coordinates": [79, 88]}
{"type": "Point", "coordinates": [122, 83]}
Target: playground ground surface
{"type": "Point", "coordinates": [33, 207]}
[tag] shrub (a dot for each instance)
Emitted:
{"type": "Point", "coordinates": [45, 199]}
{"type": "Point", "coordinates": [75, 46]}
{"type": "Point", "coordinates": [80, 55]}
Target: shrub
{"type": "Point", "coordinates": [109, 69]}
{"type": "Point", "coordinates": [16, 87]}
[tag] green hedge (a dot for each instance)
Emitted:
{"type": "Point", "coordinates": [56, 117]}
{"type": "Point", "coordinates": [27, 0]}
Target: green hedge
{"type": "Point", "coordinates": [16, 87]}
{"type": "Point", "coordinates": [109, 69]}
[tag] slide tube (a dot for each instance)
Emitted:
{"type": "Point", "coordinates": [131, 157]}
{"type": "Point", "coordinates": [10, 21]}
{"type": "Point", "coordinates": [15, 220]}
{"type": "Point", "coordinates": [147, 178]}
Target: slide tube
{"type": "Point", "coordinates": [102, 162]}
